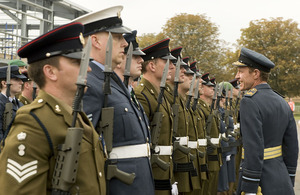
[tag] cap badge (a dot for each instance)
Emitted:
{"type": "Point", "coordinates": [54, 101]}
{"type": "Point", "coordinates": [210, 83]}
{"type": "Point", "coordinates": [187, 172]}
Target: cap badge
{"type": "Point", "coordinates": [81, 38]}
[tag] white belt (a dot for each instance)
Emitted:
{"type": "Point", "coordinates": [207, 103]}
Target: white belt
{"type": "Point", "coordinates": [183, 140]}
{"type": "Point", "coordinates": [164, 150]}
{"type": "Point", "coordinates": [193, 144]}
{"type": "Point", "coordinates": [236, 126]}
{"type": "Point", "coordinates": [202, 142]}
{"type": "Point", "coordinates": [215, 140]}
{"type": "Point", "coordinates": [131, 151]}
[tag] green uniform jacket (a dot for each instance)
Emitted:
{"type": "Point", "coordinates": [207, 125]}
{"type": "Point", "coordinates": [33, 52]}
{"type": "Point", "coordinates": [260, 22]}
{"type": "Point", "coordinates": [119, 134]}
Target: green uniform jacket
{"type": "Point", "coordinates": [183, 178]}
{"type": "Point", "coordinates": [147, 95]}
{"type": "Point", "coordinates": [27, 162]}
{"type": "Point", "coordinates": [24, 100]}
{"type": "Point", "coordinates": [214, 133]}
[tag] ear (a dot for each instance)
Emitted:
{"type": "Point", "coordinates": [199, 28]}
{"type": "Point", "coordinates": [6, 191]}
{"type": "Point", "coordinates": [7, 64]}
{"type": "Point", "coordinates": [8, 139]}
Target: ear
{"type": "Point", "coordinates": [95, 42]}
{"type": "Point", "coordinates": [256, 74]}
{"type": "Point", "coordinates": [3, 83]}
{"type": "Point", "coordinates": [50, 72]}
{"type": "Point", "coordinates": [152, 66]}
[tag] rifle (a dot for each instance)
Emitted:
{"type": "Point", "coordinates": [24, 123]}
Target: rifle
{"type": "Point", "coordinates": [34, 87]}
{"type": "Point", "coordinates": [65, 171]}
{"type": "Point", "coordinates": [175, 109]}
{"type": "Point", "coordinates": [229, 113]}
{"type": "Point", "coordinates": [209, 122]}
{"type": "Point", "coordinates": [8, 111]}
{"type": "Point", "coordinates": [105, 125]}
{"type": "Point", "coordinates": [217, 111]}
{"type": "Point", "coordinates": [128, 65]}
{"type": "Point", "coordinates": [190, 94]}
{"type": "Point", "coordinates": [156, 124]}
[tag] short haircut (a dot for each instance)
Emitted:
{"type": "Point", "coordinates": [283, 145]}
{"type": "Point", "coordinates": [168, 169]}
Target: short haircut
{"type": "Point", "coordinates": [263, 75]}
{"type": "Point", "coordinates": [35, 70]}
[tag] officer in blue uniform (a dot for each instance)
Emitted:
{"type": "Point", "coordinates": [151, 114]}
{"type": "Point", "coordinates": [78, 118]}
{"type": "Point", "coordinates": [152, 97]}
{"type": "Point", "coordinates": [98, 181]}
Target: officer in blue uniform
{"type": "Point", "coordinates": [15, 88]}
{"type": "Point", "coordinates": [130, 126]}
{"type": "Point", "coordinates": [268, 130]}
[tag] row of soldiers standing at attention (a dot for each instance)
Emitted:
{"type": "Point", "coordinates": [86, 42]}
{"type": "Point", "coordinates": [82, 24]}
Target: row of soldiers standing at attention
{"type": "Point", "coordinates": [175, 132]}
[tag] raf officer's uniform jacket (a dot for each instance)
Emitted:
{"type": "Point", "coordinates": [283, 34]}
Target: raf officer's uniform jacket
{"type": "Point", "coordinates": [147, 95]}
{"type": "Point", "coordinates": [183, 178]}
{"type": "Point", "coordinates": [3, 101]}
{"type": "Point", "coordinates": [29, 154]}
{"type": "Point", "coordinates": [130, 127]}
{"type": "Point", "coordinates": [23, 100]}
{"type": "Point", "coordinates": [270, 143]}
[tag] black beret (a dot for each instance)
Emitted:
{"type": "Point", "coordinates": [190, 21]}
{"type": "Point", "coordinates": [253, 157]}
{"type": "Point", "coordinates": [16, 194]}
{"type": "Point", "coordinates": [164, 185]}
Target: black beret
{"type": "Point", "coordinates": [108, 20]}
{"type": "Point", "coordinates": [14, 72]}
{"type": "Point", "coordinates": [131, 38]}
{"type": "Point", "coordinates": [212, 80]}
{"type": "Point", "coordinates": [158, 50]}
{"type": "Point", "coordinates": [253, 59]}
{"type": "Point", "coordinates": [65, 40]}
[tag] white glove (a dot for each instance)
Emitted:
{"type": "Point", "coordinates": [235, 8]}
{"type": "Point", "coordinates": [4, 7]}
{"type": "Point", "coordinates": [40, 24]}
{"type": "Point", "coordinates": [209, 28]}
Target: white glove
{"type": "Point", "coordinates": [250, 193]}
{"type": "Point", "coordinates": [228, 157]}
{"type": "Point", "coordinates": [174, 188]}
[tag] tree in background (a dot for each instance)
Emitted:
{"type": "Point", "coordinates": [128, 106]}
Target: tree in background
{"type": "Point", "coordinates": [279, 40]}
{"type": "Point", "coordinates": [199, 39]}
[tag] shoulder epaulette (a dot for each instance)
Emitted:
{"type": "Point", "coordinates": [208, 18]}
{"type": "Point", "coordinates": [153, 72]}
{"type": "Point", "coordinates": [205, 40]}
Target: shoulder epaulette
{"type": "Point", "coordinates": [279, 94]}
{"type": "Point", "coordinates": [251, 92]}
{"type": "Point", "coordinates": [28, 108]}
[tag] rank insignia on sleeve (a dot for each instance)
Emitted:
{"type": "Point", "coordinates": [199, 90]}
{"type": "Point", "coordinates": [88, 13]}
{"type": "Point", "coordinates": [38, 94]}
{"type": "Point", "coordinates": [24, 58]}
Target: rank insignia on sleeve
{"type": "Point", "coordinates": [250, 92]}
{"type": "Point", "coordinates": [21, 136]}
{"type": "Point", "coordinates": [21, 172]}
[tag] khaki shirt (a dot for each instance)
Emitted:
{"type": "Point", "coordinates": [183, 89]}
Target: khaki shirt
{"type": "Point", "coordinates": [27, 162]}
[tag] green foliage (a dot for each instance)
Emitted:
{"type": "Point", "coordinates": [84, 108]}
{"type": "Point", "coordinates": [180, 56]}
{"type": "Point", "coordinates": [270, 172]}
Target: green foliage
{"type": "Point", "coordinates": [279, 40]}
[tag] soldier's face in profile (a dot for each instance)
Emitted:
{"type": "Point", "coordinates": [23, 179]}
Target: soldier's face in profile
{"type": "Point", "coordinates": [208, 91]}
{"type": "Point", "coordinates": [16, 85]}
{"type": "Point", "coordinates": [67, 75]}
{"type": "Point", "coordinates": [136, 66]}
{"type": "Point", "coordinates": [245, 78]}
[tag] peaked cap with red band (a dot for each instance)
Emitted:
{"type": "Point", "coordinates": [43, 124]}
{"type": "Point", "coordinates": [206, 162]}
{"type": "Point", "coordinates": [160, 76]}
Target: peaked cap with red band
{"type": "Point", "coordinates": [158, 50]}
{"type": "Point", "coordinates": [66, 40]}
{"type": "Point", "coordinates": [194, 68]}
{"type": "Point", "coordinates": [177, 53]}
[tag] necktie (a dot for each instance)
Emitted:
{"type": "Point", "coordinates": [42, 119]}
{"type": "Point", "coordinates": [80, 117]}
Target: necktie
{"type": "Point", "coordinates": [14, 102]}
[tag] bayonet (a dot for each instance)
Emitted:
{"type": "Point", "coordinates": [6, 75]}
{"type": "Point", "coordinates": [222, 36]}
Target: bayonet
{"type": "Point", "coordinates": [176, 79]}
{"type": "Point", "coordinates": [128, 65]}
{"type": "Point", "coordinates": [108, 55]}
{"type": "Point", "coordinates": [163, 84]}
{"type": "Point", "coordinates": [196, 95]}
{"type": "Point", "coordinates": [8, 75]}
{"type": "Point", "coordinates": [190, 94]}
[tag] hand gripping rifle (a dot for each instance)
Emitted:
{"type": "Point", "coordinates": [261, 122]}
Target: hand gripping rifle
{"type": "Point", "coordinates": [128, 65]}
{"type": "Point", "coordinates": [156, 124]}
{"type": "Point", "coordinates": [65, 171]}
{"type": "Point", "coordinates": [175, 109]}
{"type": "Point", "coordinates": [8, 112]}
{"type": "Point", "coordinates": [105, 126]}
{"type": "Point", "coordinates": [190, 94]}
{"type": "Point", "coordinates": [210, 145]}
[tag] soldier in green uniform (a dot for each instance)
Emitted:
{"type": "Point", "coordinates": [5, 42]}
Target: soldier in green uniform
{"type": "Point", "coordinates": [181, 161]}
{"type": "Point", "coordinates": [29, 152]}
{"type": "Point", "coordinates": [188, 87]}
{"type": "Point", "coordinates": [210, 186]}
{"type": "Point", "coordinates": [147, 93]}
{"type": "Point", "coordinates": [27, 90]}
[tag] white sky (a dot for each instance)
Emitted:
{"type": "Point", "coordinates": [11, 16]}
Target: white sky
{"type": "Point", "coordinates": [148, 16]}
